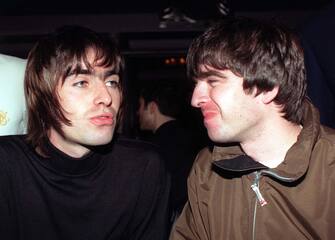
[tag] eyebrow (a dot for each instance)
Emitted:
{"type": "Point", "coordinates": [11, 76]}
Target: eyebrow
{"type": "Point", "coordinates": [79, 71]}
{"type": "Point", "coordinates": [109, 73]}
{"type": "Point", "coordinates": [210, 73]}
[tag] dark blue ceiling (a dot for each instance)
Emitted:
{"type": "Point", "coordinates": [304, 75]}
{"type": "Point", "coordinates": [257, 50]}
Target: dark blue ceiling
{"type": "Point", "coordinates": [192, 7]}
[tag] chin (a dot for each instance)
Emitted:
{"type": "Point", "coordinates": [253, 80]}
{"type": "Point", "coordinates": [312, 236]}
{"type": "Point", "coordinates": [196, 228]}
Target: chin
{"type": "Point", "coordinates": [213, 135]}
{"type": "Point", "coordinates": [219, 138]}
{"type": "Point", "coordinates": [101, 139]}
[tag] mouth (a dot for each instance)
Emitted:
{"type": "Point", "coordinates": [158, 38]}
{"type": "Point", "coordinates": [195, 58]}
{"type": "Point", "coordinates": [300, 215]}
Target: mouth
{"type": "Point", "coordinates": [103, 119]}
{"type": "Point", "coordinates": [209, 114]}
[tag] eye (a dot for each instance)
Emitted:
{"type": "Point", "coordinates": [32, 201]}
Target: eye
{"type": "Point", "coordinates": [213, 82]}
{"type": "Point", "coordinates": [81, 83]}
{"type": "Point", "coordinates": [113, 83]}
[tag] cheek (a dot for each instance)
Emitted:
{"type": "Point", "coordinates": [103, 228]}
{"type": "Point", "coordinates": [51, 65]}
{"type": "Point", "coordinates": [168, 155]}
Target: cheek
{"type": "Point", "coordinates": [117, 101]}
{"type": "Point", "coordinates": [75, 111]}
{"type": "Point", "coordinates": [73, 106]}
{"type": "Point", "coordinates": [69, 99]}
{"type": "Point", "coordinates": [226, 93]}
{"type": "Point", "coordinates": [116, 96]}
{"type": "Point", "coordinates": [220, 98]}
{"type": "Point", "coordinates": [67, 105]}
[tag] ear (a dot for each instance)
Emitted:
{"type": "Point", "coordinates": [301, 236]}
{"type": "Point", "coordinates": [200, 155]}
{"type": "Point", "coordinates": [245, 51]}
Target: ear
{"type": "Point", "coordinates": [269, 96]}
{"type": "Point", "coordinates": [152, 106]}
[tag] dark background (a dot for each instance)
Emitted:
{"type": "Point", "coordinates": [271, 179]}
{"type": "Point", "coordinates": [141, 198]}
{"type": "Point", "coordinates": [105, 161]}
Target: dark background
{"type": "Point", "coordinates": [22, 22]}
{"type": "Point", "coordinates": [39, 7]}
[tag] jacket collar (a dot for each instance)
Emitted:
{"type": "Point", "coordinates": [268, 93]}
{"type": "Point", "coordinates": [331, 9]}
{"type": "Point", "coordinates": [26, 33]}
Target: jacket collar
{"type": "Point", "coordinates": [241, 163]}
{"type": "Point", "coordinates": [296, 162]}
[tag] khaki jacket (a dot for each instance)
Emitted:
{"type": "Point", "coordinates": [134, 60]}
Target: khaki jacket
{"type": "Point", "coordinates": [233, 197]}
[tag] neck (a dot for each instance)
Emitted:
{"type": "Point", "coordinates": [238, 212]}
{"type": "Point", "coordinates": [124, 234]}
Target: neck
{"type": "Point", "coordinates": [66, 146]}
{"type": "Point", "coordinates": [161, 119]}
{"type": "Point", "coordinates": [270, 145]}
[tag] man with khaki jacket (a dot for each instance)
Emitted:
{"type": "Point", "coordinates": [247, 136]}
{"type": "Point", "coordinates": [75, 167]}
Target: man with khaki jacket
{"type": "Point", "coordinates": [270, 173]}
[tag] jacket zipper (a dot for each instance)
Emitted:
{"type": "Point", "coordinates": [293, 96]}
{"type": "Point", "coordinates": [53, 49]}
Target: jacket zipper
{"type": "Point", "coordinates": [259, 198]}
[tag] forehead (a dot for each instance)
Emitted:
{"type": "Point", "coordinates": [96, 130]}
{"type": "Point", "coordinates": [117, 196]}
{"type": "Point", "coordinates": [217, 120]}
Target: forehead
{"type": "Point", "coordinates": [91, 56]}
{"type": "Point", "coordinates": [90, 64]}
{"type": "Point", "coordinates": [206, 71]}
{"type": "Point", "coordinates": [92, 60]}
{"type": "Point", "coordinates": [204, 68]}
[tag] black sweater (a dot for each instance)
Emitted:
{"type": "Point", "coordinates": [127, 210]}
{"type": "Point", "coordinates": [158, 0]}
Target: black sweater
{"type": "Point", "coordinates": [119, 192]}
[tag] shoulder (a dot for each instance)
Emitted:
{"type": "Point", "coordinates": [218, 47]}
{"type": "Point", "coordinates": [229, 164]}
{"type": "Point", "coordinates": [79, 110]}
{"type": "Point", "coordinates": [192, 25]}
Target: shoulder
{"type": "Point", "coordinates": [327, 134]}
{"type": "Point", "coordinates": [11, 142]}
{"type": "Point", "coordinates": [135, 151]}
{"type": "Point", "coordinates": [325, 145]}
{"type": "Point", "coordinates": [326, 138]}
{"type": "Point", "coordinates": [203, 162]}
{"type": "Point", "coordinates": [11, 147]}
{"type": "Point", "coordinates": [134, 146]}
{"type": "Point", "coordinates": [204, 156]}
{"type": "Point", "coordinates": [138, 158]}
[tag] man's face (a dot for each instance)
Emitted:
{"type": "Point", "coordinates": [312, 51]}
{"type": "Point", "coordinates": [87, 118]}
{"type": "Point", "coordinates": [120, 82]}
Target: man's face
{"type": "Point", "coordinates": [90, 99]}
{"type": "Point", "coordinates": [145, 116]}
{"type": "Point", "coordinates": [230, 114]}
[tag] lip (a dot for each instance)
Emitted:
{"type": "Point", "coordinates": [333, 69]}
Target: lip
{"type": "Point", "coordinates": [209, 114]}
{"type": "Point", "coordinates": [103, 119]}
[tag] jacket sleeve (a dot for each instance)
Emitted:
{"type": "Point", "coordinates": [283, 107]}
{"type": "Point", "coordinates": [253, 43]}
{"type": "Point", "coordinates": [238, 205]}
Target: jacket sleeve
{"type": "Point", "coordinates": [189, 225]}
{"type": "Point", "coordinates": [150, 220]}
{"type": "Point", "coordinates": [330, 196]}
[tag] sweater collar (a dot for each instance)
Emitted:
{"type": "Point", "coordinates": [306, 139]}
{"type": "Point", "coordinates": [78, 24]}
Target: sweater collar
{"type": "Point", "coordinates": [296, 162]}
{"type": "Point", "coordinates": [64, 164]}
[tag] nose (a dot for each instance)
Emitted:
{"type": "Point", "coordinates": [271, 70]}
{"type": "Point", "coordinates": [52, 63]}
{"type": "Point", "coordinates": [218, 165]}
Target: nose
{"type": "Point", "coordinates": [200, 95]}
{"type": "Point", "coordinates": [103, 95]}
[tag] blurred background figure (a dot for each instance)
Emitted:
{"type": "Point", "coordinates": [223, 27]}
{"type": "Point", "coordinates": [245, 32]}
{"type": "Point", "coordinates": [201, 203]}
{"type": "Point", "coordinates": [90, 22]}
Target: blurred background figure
{"type": "Point", "coordinates": [12, 102]}
{"type": "Point", "coordinates": [318, 42]}
{"type": "Point", "coordinates": [160, 109]}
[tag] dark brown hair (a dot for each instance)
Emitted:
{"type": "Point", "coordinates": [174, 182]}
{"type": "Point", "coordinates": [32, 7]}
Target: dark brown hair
{"type": "Point", "coordinates": [168, 96]}
{"type": "Point", "coordinates": [264, 54]}
{"type": "Point", "coordinates": [50, 61]}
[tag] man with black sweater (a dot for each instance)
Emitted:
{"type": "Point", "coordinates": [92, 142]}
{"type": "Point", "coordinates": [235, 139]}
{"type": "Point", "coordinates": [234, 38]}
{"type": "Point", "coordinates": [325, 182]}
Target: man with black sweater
{"type": "Point", "coordinates": [160, 111]}
{"type": "Point", "coordinates": [70, 177]}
